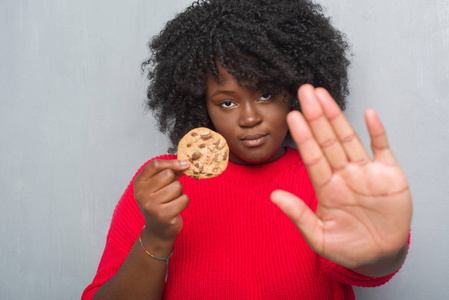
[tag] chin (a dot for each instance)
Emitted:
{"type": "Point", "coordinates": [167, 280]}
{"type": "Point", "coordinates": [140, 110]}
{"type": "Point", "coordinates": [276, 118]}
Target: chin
{"type": "Point", "coordinates": [256, 159]}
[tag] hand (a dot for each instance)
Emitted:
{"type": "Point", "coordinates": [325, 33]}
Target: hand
{"type": "Point", "coordinates": [159, 195]}
{"type": "Point", "coordinates": [364, 205]}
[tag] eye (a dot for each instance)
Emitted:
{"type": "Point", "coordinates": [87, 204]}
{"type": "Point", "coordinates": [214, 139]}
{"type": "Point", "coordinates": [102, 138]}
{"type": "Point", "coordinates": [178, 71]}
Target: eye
{"type": "Point", "coordinates": [227, 104]}
{"type": "Point", "coordinates": [265, 97]}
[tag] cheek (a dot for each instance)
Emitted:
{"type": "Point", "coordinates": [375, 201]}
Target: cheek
{"type": "Point", "coordinates": [223, 123]}
{"type": "Point", "coordinates": [279, 119]}
{"type": "Point", "coordinates": [213, 115]}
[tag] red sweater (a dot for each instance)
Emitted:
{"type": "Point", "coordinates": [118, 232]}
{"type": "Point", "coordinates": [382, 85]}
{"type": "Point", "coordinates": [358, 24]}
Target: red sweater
{"type": "Point", "coordinates": [235, 243]}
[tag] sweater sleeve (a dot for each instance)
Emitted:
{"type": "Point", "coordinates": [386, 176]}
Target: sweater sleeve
{"type": "Point", "coordinates": [127, 222]}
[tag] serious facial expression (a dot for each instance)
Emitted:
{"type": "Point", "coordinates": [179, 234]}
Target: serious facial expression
{"type": "Point", "coordinates": [253, 123]}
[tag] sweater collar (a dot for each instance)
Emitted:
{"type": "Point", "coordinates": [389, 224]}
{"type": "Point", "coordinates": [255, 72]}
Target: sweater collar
{"type": "Point", "coordinates": [263, 171]}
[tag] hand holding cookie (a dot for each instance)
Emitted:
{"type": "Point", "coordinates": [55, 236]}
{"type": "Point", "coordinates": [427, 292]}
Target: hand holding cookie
{"type": "Point", "coordinates": [160, 197]}
{"type": "Point", "coordinates": [207, 152]}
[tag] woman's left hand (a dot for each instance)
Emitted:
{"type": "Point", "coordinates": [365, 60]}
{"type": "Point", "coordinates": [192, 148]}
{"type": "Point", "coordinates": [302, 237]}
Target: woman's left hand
{"type": "Point", "coordinates": [364, 208]}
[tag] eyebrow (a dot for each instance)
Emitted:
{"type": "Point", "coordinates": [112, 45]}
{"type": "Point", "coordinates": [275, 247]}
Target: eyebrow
{"type": "Point", "coordinates": [225, 92]}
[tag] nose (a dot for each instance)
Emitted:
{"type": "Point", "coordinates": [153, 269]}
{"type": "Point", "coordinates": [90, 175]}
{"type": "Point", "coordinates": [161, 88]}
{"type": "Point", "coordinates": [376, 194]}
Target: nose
{"type": "Point", "coordinates": [249, 115]}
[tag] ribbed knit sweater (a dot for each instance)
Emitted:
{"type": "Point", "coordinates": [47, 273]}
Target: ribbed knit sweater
{"type": "Point", "coordinates": [235, 243]}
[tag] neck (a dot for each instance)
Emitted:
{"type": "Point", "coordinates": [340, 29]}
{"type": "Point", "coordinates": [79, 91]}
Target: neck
{"type": "Point", "coordinates": [251, 172]}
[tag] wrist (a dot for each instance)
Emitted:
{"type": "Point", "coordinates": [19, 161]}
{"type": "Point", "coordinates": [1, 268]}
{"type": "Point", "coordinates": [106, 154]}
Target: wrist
{"type": "Point", "coordinates": [161, 247]}
{"type": "Point", "coordinates": [384, 265]}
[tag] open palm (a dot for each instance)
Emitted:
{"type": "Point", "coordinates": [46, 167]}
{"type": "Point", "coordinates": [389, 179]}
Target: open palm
{"type": "Point", "coordinates": [364, 204]}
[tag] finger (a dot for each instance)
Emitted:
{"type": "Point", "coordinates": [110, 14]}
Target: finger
{"type": "Point", "coordinates": [321, 127]}
{"type": "Point", "coordinates": [347, 136]}
{"type": "Point", "coordinates": [158, 165]}
{"type": "Point", "coordinates": [379, 141]}
{"type": "Point", "coordinates": [301, 215]}
{"type": "Point", "coordinates": [169, 211]}
{"type": "Point", "coordinates": [161, 180]}
{"type": "Point", "coordinates": [319, 170]}
{"type": "Point", "coordinates": [169, 192]}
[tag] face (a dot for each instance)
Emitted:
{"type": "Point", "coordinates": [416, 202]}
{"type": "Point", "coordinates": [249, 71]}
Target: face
{"type": "Point", "coordinates": [253, 123]}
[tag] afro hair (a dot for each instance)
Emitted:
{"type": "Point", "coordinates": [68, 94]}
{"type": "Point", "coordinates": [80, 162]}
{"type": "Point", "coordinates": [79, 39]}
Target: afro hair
{"type": "Point", "coordinates": [274, 45]}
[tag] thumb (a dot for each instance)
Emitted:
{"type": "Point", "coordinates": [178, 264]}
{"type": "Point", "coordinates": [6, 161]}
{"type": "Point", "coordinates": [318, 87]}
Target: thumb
{"type": "Point", "coordinates": [301, 215]}
{"type": "Point", "coordinates": [179, 167]}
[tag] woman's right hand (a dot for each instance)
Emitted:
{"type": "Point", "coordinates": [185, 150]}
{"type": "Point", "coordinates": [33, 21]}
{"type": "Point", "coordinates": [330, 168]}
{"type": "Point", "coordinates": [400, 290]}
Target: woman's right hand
{"type": "Point", "coordinates": [160, 197]}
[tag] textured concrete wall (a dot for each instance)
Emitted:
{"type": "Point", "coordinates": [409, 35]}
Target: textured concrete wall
{"type": "Point", "coordinates": [73, 130]}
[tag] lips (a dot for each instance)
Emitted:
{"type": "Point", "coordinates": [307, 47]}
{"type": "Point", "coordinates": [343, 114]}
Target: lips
{"type": "Point", "coordinates": [254, 140]}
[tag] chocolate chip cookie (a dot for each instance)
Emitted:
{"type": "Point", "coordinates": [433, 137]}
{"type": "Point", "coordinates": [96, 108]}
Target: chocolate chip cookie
{"type": "Point", "coordinates": [207, 152]}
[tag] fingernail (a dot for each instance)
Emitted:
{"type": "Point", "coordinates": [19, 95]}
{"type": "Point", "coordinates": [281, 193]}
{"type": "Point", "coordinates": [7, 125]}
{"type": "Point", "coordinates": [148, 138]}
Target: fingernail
{"type": "Point", "coordinates": [184, 163]}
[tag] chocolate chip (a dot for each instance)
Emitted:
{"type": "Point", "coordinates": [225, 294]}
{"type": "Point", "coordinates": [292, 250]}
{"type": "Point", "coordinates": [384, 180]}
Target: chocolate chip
{"type": "Point", "coordinates": [206, 136]}
{"type": "Point", "coordinates": [221, 145]}
{"type": "Point", "coordinates": [196, 155]}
